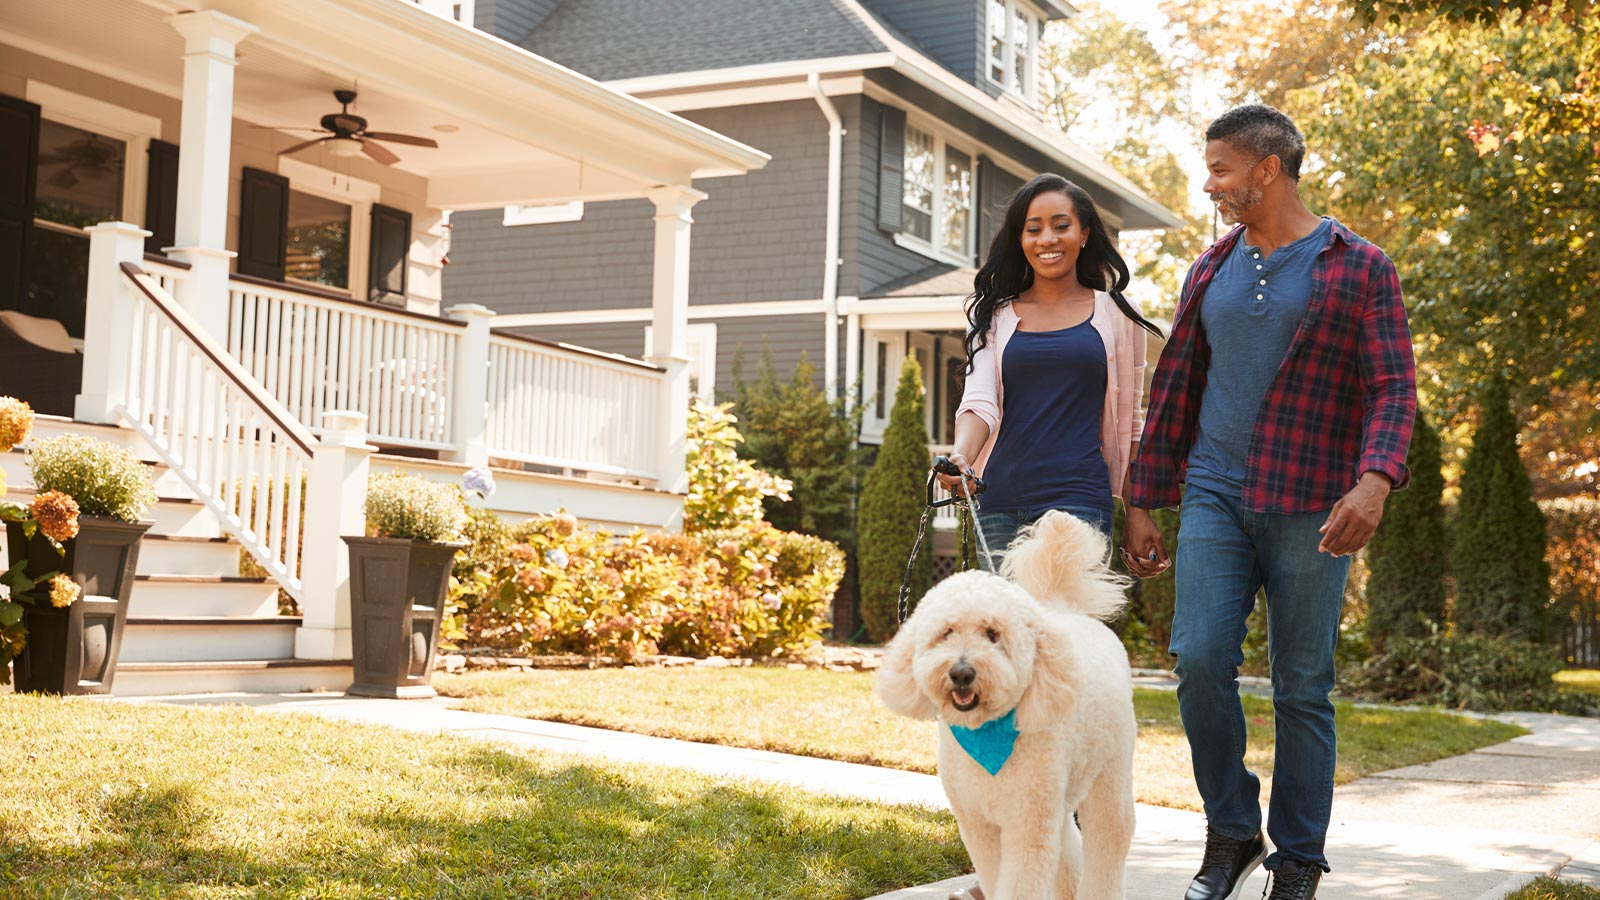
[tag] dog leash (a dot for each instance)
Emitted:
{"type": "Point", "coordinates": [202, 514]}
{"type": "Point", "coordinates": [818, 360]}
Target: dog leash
{"type": "Point", "coordinates": [966, 503]}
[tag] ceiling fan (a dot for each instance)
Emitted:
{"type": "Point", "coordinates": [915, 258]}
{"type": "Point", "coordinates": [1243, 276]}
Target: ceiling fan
{"type": "Point", "coordinates": [347, 135]}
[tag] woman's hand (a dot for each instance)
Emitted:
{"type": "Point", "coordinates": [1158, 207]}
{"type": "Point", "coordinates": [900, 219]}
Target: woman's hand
{"type": "Point", "coordinates": [952, 483]}
{"type": "Point", "coordinates": [1143, 551]}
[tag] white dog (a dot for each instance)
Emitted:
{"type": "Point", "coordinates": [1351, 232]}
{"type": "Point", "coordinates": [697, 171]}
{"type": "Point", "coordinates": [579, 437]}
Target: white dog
{"type": "Point", "coordinates": [981, 653]}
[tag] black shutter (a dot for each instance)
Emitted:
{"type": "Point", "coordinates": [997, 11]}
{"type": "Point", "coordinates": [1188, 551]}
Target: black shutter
{"type": "Point", "coordinates": [891, 166]}
{"type": "Point", "coordinates": [391, 242]}
{"type": "Point", "coordinates": [19, 163]}
{"type": "Point", "coordinates": [161, 197]}
{"type": "Point", "coordinates": [263, 224]}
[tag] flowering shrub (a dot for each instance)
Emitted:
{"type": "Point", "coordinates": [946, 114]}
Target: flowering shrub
{"type": "Point", "coordinates": [724, 490]}
{"type": "Point", "coordinates": [551, 586]}
{"type": "Point", "coordinates": [104, 479]}
{"type": "Point", "coordinates": [410, 506]}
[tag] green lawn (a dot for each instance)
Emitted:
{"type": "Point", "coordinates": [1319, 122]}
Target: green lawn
{"type": "Point", "coordinates": [1552, 889]}
{"type": "Point", "coordinates": [101, 800]}
{"type": "Point", "coordinates": [1584, 680]}
{"type": "Point", "coordinates": [835, 715]}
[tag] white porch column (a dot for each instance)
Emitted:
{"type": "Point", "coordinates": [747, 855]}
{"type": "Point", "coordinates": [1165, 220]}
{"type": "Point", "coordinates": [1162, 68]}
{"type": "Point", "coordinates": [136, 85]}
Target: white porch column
{"type": "Point", "coordinates": [203, 162]}
{"type": "Point", "coordinates": [108, 321]}
{"type": "Point", "coordinates": [469, 386]}
{"type": "Point", "coordinates": [669, 298]}
{"type": "Point", "coordinates": [336, 505]}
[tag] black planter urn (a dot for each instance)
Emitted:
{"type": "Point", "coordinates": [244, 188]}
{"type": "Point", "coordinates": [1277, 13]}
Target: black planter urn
{"type": "Point", "coordinates": [397, 593]}
{"type": "Point", "coordinates": [73, 651]}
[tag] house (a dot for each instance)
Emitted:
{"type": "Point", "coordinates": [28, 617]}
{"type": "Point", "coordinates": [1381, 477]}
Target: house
{"type": "Point", "coordinates": [224, 224]}
{"type": "Point", "coordinates": [897, 128]}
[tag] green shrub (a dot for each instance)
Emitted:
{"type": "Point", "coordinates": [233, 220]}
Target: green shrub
{"type": "Point", "coordinates": [724, 490]}
{"type": "Point", "coordinates": [410, 506]}
{"type": "Point", "coordinates": [551, 586]}
{"type": "Point", "coordinates": [1409, 556]}
{"type": "Point", "coordinates": [1464, 672]}
{"type": "Point", "coordinates": [104, 479]}
{"type": "Point", "coordinates": [794, 431]}
{"type": "Point", "coordinates": [892, 499]}
{"type": "Point", "coordinates": [1502, 579]}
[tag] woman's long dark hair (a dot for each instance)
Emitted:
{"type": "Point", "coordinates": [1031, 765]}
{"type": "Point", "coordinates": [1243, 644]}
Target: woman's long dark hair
{"type": "Point", "coordinates": [1006, 273]}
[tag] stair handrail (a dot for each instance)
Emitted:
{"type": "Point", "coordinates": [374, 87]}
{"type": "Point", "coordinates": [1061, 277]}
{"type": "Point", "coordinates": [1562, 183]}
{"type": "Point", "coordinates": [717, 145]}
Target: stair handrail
{"type": "Point", "coordinates": [219, 420]}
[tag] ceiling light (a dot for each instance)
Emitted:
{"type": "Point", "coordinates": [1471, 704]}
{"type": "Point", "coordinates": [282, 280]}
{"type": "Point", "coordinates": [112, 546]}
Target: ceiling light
{"type": "Point", "coordinates": [343, 147]}
{"type": "Point", "coordinates": [447, 129]}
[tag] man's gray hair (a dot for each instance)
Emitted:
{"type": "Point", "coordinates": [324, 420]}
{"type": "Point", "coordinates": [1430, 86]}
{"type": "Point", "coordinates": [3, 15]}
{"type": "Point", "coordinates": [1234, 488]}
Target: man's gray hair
{"type": "Point", "coordinates": [1259, 131]}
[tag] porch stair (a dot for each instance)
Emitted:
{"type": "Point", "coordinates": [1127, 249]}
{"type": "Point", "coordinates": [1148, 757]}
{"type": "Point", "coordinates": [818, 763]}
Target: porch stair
{"type": "Point", "coordinates": [195, 624]}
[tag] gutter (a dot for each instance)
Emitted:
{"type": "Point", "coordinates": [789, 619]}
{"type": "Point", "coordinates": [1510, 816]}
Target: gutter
{"type": "Point", "coordinates": [830, 253]}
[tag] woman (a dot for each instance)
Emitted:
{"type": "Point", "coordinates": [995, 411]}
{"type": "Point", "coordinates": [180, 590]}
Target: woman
{"type": "Point", "coordinates": [1055, 366]}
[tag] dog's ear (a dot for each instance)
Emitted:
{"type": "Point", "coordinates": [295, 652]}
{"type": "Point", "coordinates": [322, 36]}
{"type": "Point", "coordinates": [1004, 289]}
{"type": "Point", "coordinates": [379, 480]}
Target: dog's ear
{"type": "Point", "coordinates": [1052, 691]}
{"type": "Point", "coordinates": [896, 682]}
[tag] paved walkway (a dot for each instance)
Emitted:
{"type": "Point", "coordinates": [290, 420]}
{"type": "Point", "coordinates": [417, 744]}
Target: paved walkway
{"type": "Point", "coordinates": [1474, 827]}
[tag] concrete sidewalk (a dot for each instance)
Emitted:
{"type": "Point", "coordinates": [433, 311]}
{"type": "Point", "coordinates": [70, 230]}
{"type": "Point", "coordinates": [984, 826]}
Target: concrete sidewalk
{"type": "Point", "coordinates": [1472, 827]}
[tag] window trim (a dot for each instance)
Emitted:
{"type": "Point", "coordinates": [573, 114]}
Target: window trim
{"type": "Point", "coordinates": [701, 337]}
{"type": "Point", "coordinates": [356, 193]}
{"type": "Point", "coordinates": [1030, 74]}
{"type": "Point", "coordinates": [893, 342]}
{"type": "Point", "coordinates": [542, 213]}
{"type": "Point", "coordinates": [934, 249]}
{"type": "Point", "coordinates": [134, 129]}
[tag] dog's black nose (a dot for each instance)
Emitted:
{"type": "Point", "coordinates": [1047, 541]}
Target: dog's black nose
{"type": "Point", "coordinates": [962, 674]}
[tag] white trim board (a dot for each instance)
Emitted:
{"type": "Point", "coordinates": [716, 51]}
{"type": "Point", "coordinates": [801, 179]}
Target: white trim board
{"type": "Point", "coordinates": [646, 314]}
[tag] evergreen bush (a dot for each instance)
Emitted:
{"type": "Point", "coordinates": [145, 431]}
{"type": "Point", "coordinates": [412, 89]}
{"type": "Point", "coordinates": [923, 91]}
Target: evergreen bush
{"type": "Point", "coordinates": [1479, 672]}
{"type": "Point", "coordinates": [794, 431]}
{"type": "Point", "coordinates": [1502, 579]}
{"type": "Point", "coordinates": [1409, 556]}
{"type": "Point", "coordinates": [892, 499]}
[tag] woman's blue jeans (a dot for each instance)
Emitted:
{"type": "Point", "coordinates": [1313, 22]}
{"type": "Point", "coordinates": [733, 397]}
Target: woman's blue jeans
{"type": "Point", "coordinates": [1000, 528]}
{"type": "Point", "coordinates": [1225, 556]}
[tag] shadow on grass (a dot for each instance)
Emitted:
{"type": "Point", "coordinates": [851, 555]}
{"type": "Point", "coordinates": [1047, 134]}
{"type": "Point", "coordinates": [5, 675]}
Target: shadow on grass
{"type": "Point", "coordinates": [531, 831]}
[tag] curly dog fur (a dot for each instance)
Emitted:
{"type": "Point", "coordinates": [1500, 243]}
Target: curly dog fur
{"type": "Point", "coordinates": [1035, 641]}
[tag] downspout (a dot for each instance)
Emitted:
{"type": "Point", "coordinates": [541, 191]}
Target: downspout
{"type": "Point", "coordinates": [830, 269]}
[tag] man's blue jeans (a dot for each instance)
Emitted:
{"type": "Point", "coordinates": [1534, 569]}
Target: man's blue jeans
{"type": "Point", "coordinates": [1000, 528]}
{"type": "Point", "coordinates": [1225, 555]}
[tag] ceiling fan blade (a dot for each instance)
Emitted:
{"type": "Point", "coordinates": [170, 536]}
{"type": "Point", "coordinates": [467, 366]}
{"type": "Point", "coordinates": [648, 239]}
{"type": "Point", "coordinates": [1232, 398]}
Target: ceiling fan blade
{"type": "Point", "coordinates": [402, 139]}
{"type": "Point", "coordinates": [378, 152]}
{"type": "Point", "coordinates": [298, 147]}
{"type": "Point", "coordinates": [292, 128]}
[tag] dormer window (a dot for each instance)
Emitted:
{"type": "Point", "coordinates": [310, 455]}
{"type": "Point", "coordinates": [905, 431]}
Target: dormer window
{"type": "Point", "coordinates": [1013, 35]}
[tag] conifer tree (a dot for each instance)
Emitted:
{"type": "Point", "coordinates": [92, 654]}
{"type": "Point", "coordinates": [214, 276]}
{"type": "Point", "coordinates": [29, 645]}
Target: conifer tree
{"type": "Point", "coordinates": [1502, 579]}
{"type": "Point", "coordinates": [892, 499]}
{"type": "Point", "coordinates": [1409, 556]}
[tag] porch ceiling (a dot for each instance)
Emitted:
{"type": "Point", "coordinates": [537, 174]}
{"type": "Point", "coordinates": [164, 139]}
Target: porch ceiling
{"type": "Point", "coordinates": [527, 130]}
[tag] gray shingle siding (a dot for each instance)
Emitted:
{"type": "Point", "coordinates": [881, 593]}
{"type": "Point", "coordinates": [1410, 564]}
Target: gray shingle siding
{"type": "Point", "coordinates": [612, 39]}
{"type": "Point", "coordinates": [756, 237]}
{"type": "Point", "coordinates": [951, 31]}
{"type": "Point", "coordinates": [509, 20]}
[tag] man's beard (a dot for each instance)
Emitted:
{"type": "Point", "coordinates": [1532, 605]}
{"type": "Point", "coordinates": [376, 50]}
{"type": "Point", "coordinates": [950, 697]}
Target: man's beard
{"type": "Point", "coordinates": [1239, 200]}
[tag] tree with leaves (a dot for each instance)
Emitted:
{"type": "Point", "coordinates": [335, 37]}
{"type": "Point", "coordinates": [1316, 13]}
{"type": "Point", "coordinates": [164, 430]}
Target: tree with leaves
{"type": "Point", "coordinates": [1502, 579]}
{"type": "Point", "coordinates": [724, 490]}
{"type": "Point", "coordinates": [1409, 556]}
{"type": "Point", "coordinates": [794, 431]}
{"type": "Point", "coordinates": [891, 505]}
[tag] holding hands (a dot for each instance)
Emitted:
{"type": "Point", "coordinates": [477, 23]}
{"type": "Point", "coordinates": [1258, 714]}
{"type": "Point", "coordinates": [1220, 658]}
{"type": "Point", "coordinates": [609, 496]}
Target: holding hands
{"type": "Point", "coordinates": [1143, 551]}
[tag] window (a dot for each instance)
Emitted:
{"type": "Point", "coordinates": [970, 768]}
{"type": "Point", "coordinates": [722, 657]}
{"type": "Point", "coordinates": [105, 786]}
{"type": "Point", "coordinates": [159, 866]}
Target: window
{"type": "Point", "coordinates": [318, 240]}
{"type": "Point", "coordinates": [1013, 33]}
{"type": "Point", "coordinates": [700, 345]}
{"type": "Point", "coordinates": [936, 206]}
{"type": "Point", "coordinates": [918, 200]}
{"type": "Point", "coordinates": [882, 352]}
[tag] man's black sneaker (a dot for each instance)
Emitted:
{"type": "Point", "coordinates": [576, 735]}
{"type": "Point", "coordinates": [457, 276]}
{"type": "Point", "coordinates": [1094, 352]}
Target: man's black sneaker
{"type": "Point", "coordinates": [1226, 865]}
{"type": "Point", "coordinates": [1293, 881]}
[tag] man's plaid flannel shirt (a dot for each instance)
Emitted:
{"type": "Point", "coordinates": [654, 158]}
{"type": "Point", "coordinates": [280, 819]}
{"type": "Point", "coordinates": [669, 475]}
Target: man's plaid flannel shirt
{"type": "Point", "coordinates": [1343, 401]}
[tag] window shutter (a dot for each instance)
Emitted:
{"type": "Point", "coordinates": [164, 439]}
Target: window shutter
{"type": "Point", "coordinates": [891, 166]}
{"type": "Point", "coordinates": [391, 243]}
{"type": "Point", "coordinates": [263, 224]}
{"type": "Point", "coordinates": [19, 160]}
{"type": "Point", "coordinates": [161, 197]}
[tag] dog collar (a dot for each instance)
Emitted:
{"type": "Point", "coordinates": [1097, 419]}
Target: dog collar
{"type": "Point", "coordinates": [991, 743]}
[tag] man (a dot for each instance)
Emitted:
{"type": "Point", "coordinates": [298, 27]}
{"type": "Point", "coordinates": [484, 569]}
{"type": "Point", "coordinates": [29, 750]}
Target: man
{"type": "Point", "coordinates": [1283, 402]}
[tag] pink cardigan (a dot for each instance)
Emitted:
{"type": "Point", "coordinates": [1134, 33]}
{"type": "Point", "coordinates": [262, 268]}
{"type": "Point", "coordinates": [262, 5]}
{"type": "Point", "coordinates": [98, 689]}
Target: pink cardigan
{"type": "Point", "coordinates": [1123, 417]}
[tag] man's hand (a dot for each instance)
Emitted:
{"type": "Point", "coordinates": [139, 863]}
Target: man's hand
{"type": "Point", "coordinates": [1143, 551]}
{"type": "Point", "coordinates": [1355, 517]}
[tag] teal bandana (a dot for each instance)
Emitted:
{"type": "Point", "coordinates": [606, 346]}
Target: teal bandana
{"type": "Point", "coordinates": [991, 743]}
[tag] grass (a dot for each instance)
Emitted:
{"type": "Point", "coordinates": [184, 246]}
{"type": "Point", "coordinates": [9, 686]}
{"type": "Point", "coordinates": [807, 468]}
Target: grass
{"type": "Point", "coordinates": [834, 715]}
{"type": "Point", "coordinates": [1585, 681]}
{"type": "Point", "coordinates": [1552, 889]}
{"type": "Point", "coordinates": [112, 800]}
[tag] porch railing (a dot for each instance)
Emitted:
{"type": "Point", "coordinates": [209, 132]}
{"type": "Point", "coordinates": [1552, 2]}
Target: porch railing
{"type": "Point", "coordinates": [239, 451]}
{"type": "Point", "coordinates": [565, 407]}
